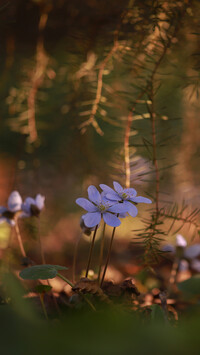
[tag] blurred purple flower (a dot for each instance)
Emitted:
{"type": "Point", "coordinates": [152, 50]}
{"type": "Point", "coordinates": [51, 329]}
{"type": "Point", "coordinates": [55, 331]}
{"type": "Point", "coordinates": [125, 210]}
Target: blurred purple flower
{"type": "Point", "coordinates": [14, 206]}
{"type": "Point", "coordinates": [190, 254]}
{"type": "Point", "coordinates": [180, 241]}
{"type": "Point", "coordinates": [33, 207]}
{"type": "Point", "coordinates": [127, 196]}
{"type": "Point", "coordinates": [98, 206]}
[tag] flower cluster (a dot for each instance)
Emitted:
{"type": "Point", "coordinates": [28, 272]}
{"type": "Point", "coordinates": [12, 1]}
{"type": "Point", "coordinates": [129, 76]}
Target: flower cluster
{"type": "Point", "coordinates": [126, 196]}
{"type": "Point", "coordinates": [109, 205]}
{"type": "Point", "coordinates": [18, 208]}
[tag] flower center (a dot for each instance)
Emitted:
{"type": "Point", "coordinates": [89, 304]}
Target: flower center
{"type": "Point", "coordinates": [102, 207]}
{"type": "Point", "coordinates": [8, 214]}
{"type": "Point", "coordinates": [124, 195]}
{"type": "Point", "coordinates": [34, 210]}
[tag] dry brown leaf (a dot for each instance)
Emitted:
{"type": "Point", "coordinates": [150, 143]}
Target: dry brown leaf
{"type": "Point", "coordinates": [89, 286]}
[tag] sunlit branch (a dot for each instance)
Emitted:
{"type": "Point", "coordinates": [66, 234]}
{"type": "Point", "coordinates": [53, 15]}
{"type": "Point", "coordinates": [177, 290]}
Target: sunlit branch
{"type": "Point", "coordinates": [151, 94]}
{"type": "Point", "coordinates": [186, 220]}
{"type": "Point", "coordinates": [92, 120]}
{"type": "Point", "coordinates": [126, 150]}
{"type": "Point", "coordinates": [127, 142]}
{"type": "Point", "coordinates": [38, 76]}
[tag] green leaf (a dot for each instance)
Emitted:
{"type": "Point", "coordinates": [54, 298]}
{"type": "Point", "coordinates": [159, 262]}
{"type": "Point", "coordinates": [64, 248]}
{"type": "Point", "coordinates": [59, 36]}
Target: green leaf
{"type": "Point", "coordinates": [43, 288]}
{"type": "Point", "coordinates": [157, 313]}
{"type": "Point", "coordinates": [42, 272]}
{"type": "Point", "coordinates": [14, 292]}
{"type": "Point", "coordinates": [190, 287]}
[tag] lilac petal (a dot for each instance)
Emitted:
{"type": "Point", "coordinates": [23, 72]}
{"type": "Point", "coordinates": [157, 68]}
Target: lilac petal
{"type": "Point", "coordinates": [117, 187]}
{"type": "Point", "coordinates": [183, 265]}
{"type": "Point", "coordinates": [91, 228]}
{"type": "Point", "coordinates": [104, 198]}
{"type": "Point", "coordinates": [3, 209]}
{"type": "Point", "coordinates": [106, 202]}
{"type": "Point", "coordinates": [7, 220]}
{"type": "Point", "coordinates": [180, 241]}
{"type": "Point", "coordinates": [11, 222]}
{"type": "Point", "coordinates": [118, 208]}
{"type": "Point", "coordinates": [26, 206]}
{"type": "Point", "coordinates": [83, 216]}
{"type": "Point", "coordinates": [123, 215]}
{"type": "Point", "coordinates": [94, 195]}
{"type": "Point", "coordinates": [192, 252]}
{"type": "Point", "coordinates": [92, 219]}
{"type": "Point", "coordinates": [131, 192]}
{"type": "Point", "coordinates": [86, 204]}
{"type": "Point", "coordinates": [131, 209]}
{"type": "Point", "coordinates": [114, 196]}
{"type": "Point", "coordinates": [2, 220]}
{"type": "Point", "coordinates": [111, 219]}
{"type": "Point", "coordinates": [195, 265]}
{"type": "Point", "coordinates": [85, 229]}
{"type": "Point", "coordinates": [139, 199]}
{"type": "Point", "coordinates": [169, 248]}
{"type": "Point", "coordinates": [106, 188]}
{"type": "Point", "coordinates": [40, 201]}
{"type": "Point", "coordinates": [24, 214]}
{"type": "Point", "coordinates": [26, 210]}
{"type": "Point", "coordinates": [29, 201]}
{"type": "Point", "coordinates": [14, 201]}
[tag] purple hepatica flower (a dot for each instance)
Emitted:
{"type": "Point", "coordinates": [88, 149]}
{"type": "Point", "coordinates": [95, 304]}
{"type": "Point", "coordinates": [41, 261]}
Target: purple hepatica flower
{"type": "Point", "coordinates": [32, 207]}
{"type": "Point", "coordinates": [14, 206]}
{"type": "Point", "coordinates": [98, 206]}
{"type": "Point", "coordinates": [127, 196]}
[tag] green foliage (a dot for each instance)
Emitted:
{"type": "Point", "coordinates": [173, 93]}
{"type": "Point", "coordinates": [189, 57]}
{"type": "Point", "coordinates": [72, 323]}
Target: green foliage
{"type": "Point", "coordinates": [13, 293]}
{"type": "Point", "coordinates": [43, 288]}
{"type": "Point", "coordinates": [157, 314]}
{"type": "Point", "coordinates": [190, 287]}
{"type": "Point", "coordinates": [42, 272]}
{"type": "Point", "coordinates": [108, 332]}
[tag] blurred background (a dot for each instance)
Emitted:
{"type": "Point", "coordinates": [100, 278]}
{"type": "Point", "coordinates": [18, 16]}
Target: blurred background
{"type": "Point", "coordinates": [71, 75]}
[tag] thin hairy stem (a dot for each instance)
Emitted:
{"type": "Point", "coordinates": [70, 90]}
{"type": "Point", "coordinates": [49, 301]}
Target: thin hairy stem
{"type": "Point", "coordinates": [44, 262]}
{"type": "Point", "coordinates": [19, 238]}
{"type": "Point", "coordinates": [43, 306]}
{"type": "Point", "coordinates": [101, 252]}
{"type": "Point", "coordinates": [65, 279]}
{"type": "Point", "coordinates": [80, 293]}
{"type": "Point", "coordinates": [174, 271]}
{"type": "Point", "coordinates": [108, 257]}
{"type": "Point", "coordinates": [91, 250]}
{"type": "Point", "coordinates": [75, 257]}
{"type": "Point", "coordinates": [40, 243]}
